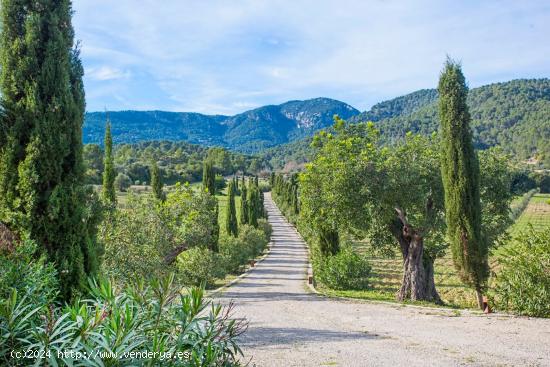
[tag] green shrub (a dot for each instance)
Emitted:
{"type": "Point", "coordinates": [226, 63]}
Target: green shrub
{"type": "Point", "coordinates": [521, 283]}
{"type": "Point", "coordinates": [345, 270]}
{"type": "Point", "coordinates": [122, 182]}
{"type": "Point", "coordinates": [29, 274]}
{"type": "Point", "coordinates": [234, 253]}
{"type": "Point", "coordinates": [265, 227]}
{"type": "Point", "coordinates": [154, 318]}
{"type": "Point", "coordinates": [199, 265]}
{"type": "Point", "coordinates": [254, 239]}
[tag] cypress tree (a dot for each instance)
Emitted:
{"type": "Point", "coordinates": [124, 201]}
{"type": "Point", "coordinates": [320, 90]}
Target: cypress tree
{"type": "Point", "coordinates": [156, 182]}
{"type": "Point", "coordinates": [244, 203]}
{"type": "Point", "coordinates": [460, 173]}
{"type": "Point", "coordinates": [41, 169]}
{"type": "Point", "coordinates": [108, 193]}
{"type": "Point", "coordinates": [231, 214]}
{"type": "Point", "coordinates": [214, 246]}
{"type": "Point", "coordinates": [209, 178]}
{"type": "Point", "coordinates": [251, 202]}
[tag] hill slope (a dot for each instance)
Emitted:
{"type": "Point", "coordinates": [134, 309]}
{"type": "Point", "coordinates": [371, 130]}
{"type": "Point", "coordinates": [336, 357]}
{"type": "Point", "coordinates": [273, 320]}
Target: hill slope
{"type": "Point", "coordinates": [514, 115]}
{"type": "Point", "coordinates": [248, 132]}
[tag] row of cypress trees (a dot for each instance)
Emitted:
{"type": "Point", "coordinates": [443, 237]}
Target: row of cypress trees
{"type": "Point", "coordinates": [252, 204]}
{"type": "Point", "coordinates": [285, 192]}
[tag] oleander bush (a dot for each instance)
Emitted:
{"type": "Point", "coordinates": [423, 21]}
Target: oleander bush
{"type": "Point", "coordinates": [521, 282]}
{"type": "Point", "coordinates": [144, 325]}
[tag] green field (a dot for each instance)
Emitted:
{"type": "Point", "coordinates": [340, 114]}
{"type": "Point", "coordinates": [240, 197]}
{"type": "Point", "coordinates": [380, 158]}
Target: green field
{"type": "Point", "coordinates": [537, 214]}
{"type": "Point", "coordinates": [387, 273]}
{"type": "Point", "coordinates": [386, 280]}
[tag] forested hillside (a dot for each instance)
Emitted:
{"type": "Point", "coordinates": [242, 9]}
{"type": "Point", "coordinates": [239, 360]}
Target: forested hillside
{"type": "Point", "coordinates": [248, 132]}
{"type": "Point", "coordinates": [515, 115]}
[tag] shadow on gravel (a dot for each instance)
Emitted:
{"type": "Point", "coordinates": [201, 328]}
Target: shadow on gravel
{"type": "Point", "coordinates": [240, 295]}
{"type": "Point", "coordinates": [265, 336]}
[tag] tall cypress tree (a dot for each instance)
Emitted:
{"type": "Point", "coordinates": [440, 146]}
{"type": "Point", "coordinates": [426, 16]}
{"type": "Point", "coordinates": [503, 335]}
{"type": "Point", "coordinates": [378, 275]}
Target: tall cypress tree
{"type": "Point", "coordinates": [460, 173]}
{"type": "Point", "coordinates": [108, 193]}
{"type": "Point", "coordinates": [253, 203]}
{"type": "Point", "coordinates": [156, 181]}
{"type": "Point", "coordinates": [231, 214]}
{"type": "Point", "coordinates": [209, 177]}
{"type": "Point", "coordinates": [41, 168]}
{"type": "Point", "coordinates": [244, 203]}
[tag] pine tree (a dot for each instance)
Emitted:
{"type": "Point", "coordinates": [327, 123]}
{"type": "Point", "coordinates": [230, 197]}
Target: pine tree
{"type": "Point", "coordinates": [108, 193]}
{"type": "Point", "coordinates": [460, 173]}
{"type": "Point", "coordinates": [209, 178]}
{"type": "Point", "coordinates": [41, 170]}
{"type": "Point", "coordinates": [231, 214]}
{"type": "Point", "coordinates": [244, 203]}
{"type": "Point", "coordinates": [156, 182]}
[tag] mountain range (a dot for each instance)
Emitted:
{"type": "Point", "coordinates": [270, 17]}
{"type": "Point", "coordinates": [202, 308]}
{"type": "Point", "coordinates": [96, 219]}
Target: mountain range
{"type": "Point", "coordinates": [514, 114]}
{"type": "Point", "coordinates": [250, 131]}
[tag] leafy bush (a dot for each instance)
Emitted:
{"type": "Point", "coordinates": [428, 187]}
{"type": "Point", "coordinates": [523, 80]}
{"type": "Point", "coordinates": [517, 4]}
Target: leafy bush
{"type": "Point", "coordinates": [199, 265]}
{"type": "Point", "coordinates": [345, 270]}
{"type": "Point", "coordinates": [265, 227]}
{"type": "Point", "coordinates": [521, 283]}
{"type": "Point", "coordinates": [234, 253]}
{"type": "Point", "coordinates": [109, 326]}
{"type": "Point", "coordinates": [254, 239]}
{"type": "Point", "coordinates": [122, 182]}
{"type": "Point", "coordinates": [135, 241]}
{"type": "Point", "coordinates": [30, 275]}
{"type": "Point", "coordinates": [138, 239]}
{"type": "Point", "coordinates": [251, 242]}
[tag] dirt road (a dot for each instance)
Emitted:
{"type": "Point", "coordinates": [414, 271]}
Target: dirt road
{"type": "Point", "coordinates": [289, 326]}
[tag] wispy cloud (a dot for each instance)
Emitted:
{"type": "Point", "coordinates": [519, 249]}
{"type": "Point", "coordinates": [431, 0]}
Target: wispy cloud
{"type": "Point", "coordinates": [106, 73]}
{"type": "Point", "coordinates": [224, 57]}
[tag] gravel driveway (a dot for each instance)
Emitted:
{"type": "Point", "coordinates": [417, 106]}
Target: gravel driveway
{"type": "Point", "coordinates": [289, 326]}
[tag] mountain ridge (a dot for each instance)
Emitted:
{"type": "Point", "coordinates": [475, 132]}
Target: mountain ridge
{"type": "Point", "coordinates": [249, 131]}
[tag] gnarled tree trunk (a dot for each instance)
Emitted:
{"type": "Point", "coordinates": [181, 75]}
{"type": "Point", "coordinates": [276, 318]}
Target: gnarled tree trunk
{"type": "Point", "coordinates": [418, 272]}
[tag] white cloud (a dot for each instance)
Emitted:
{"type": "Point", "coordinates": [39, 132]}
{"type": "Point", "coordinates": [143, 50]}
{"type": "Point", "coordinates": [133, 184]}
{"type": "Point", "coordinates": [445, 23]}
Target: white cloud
{"type": "Point", "coordinates": [106, 73]}
{"type": "Point", "coordinates": [210, 55]}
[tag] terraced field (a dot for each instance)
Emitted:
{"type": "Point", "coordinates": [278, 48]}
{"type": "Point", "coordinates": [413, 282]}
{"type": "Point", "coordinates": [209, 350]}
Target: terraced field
{"type": "Point", "coordinates": [386, 280]}
{"type": "Point", "coordinates": [537, 214]}
{"type": "Point", "coordinates": [387, 272]}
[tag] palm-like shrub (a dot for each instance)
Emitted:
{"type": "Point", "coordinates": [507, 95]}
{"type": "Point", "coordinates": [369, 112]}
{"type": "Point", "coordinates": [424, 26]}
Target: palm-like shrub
{"type": "Point", "coordinates": [144, 325]}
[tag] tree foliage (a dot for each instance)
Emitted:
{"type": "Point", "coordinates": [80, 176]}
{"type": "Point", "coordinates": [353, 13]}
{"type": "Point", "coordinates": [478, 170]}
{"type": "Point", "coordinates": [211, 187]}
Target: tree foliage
{"type": "Point", "coordinates": [231, 211]}
{"type": "Point", "coordinates": [108, 193]}
{"type": "Point", "coordinates": [209, 178]}
{"type": "Point", "coordinates": [41, 170]}
{"type": "Point", "coordinates": [156, 182]}
{"type": "Point", "coordinates": [460, 173]}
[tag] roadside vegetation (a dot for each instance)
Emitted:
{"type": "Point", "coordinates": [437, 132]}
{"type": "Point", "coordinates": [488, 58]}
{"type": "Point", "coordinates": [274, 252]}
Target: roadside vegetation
{"type": "Point", "coordinates": [387, 207]}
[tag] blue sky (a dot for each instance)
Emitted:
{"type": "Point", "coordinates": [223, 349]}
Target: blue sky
{"type": "Point", "coordinates": [225, 57]}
